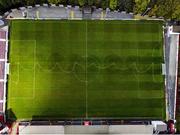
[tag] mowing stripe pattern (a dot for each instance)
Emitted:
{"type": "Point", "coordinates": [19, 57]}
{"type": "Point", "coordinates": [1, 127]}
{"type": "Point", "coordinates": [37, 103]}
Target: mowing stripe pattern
{"type": "Point", "coordinates": [86, 69]}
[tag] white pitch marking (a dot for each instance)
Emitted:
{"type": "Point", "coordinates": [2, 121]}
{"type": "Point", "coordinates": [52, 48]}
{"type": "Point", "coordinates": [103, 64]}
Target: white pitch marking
{"type": "Point", "coordinates": [86, 76]}
{"type": "Point", "coordinates": [34, 78]}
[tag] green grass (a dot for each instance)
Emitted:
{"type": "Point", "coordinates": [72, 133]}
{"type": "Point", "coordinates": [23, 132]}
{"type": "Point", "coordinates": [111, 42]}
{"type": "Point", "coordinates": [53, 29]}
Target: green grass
{"type": "Point", "coordinates": [86, 69]}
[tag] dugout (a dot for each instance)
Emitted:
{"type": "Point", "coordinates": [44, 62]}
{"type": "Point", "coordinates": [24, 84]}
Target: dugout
{"type": "Point", "coordinates": [87, 12]}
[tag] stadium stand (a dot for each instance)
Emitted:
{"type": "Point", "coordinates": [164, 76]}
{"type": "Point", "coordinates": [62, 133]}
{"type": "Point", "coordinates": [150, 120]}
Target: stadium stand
{"type": "Point", "coordinates": [2, 70]}
{"type": "Point", "coordinates": [66, 12]}
{"type": "Point", "coordinates": [1, 94]}
{"type": "Point", "coordinates": [172, 40]}
{"type": "Point", "coordinates": [178, 86]}
{"type": "Point", "coordinates": [3, 60]}
{"type": "Point", "coordinates": [2, 34]}
{"type": "Point", "coordinates": [2, 49]}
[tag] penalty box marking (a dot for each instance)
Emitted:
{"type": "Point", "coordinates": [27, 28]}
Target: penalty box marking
{"type": "Point", "coordinates": [34, 72]}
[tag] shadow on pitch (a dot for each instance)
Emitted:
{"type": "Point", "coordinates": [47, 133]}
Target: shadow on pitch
{"type": "Point", "coordinates": [11, 115]}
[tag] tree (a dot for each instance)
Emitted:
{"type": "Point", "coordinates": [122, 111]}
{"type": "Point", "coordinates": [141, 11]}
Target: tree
{"type": "Point", "coordinates": [81, 2]}
{"type": "Point", "coordinates": [54, 1]}
{"type": "Point", "coordinates": [113, 4]}
{"type": "Point", "coordinates": [176, 13]}
{"type": "Point", "coordinates": [129, 5]}
{"type": "Point", "coordinates": [169, 9]}
{"type": "Point", "coordinates": [72, 2]}
{"type": "Point", "coordinates": [140, 6]}
{"type": "Point", "coordinates": [121, 4]}
{"type": "Point", "coordinates": [104, 4]}
{"type": "Point", "coordinates": [126, 5]}
{"type": "Point", "coordinates": [41, 1]}
{"type": "Point", "coordinates": [30, 2]}
{"type": "Point", "coordinates": [90, 2]}
{"type": "Point", "coordinates": [6, 5]}
{"type": "Point", "coordinates": [98, 3]}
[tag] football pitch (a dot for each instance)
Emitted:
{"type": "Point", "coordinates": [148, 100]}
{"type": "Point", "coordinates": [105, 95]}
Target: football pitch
{"type": "Point", "coordinates": [86, 69]}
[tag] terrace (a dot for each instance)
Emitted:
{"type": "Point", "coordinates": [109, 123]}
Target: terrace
{"type": "Point", "coordinates": [3, 63]}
